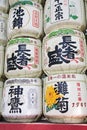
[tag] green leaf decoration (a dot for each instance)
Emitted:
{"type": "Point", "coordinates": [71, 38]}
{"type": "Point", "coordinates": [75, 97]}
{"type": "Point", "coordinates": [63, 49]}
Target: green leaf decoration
{"type": "Point", "coordinates": [49, 108]}
{"type": "Point", "coordinates": [21, 3]}
{"type": "Point", "coordinates": [48, 19]}
{"type": "Point", "coordinates": [60, 32]}
{"type": "Point", "coordinates": [74, 17]}
{"type": "Point", "coordinates": [55, 106]}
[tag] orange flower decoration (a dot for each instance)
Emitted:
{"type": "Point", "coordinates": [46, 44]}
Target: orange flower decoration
{"type": "Point", "coordinates": [52, 96]}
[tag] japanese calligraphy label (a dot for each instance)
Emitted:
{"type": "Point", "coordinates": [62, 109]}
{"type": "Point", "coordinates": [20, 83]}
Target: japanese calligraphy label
{"type": "Point", "coordinates": [22, 99]}
{"type": "Point", "coordinates": [64, 96]}
{"type": "Point", "coordinates": [24, 58]}
{"type": "Point", "coordinates": [64, 14]}
{"type": "Point", "coordinates": [59, 10]}
{"type": "Point", "coordinates": [64, 51]}
{"type": "Point", "coordinates": [25, 19]}
{"type": "Point", "coordinates": [35, 15]}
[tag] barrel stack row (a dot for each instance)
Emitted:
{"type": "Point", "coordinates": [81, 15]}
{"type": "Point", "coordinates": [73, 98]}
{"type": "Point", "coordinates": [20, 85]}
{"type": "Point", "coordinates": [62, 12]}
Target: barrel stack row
{"type": "Point", "coordinates": [64, 60]}
{"type": "Point", "coordinates": [22, 93]}
{"type": "Point", "coordinates": [4, 7]}
{"type": "Point", "coordinates": [61, 57]}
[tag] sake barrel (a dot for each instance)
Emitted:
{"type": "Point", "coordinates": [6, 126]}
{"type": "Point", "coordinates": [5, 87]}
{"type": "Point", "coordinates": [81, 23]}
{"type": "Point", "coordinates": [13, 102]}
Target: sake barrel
{"type": "Point", "coordinates": [4, 5]}
{"type": "Point", "coordinates": [3, 27]}
{"type": "Point", "coordinates": [64, 14]}
{"type": "Point", "coordinates": [23, 58]}
{"type": "Point", "coordinates": [65, 98]}
{"type": "Point", "coordinates": [11, 2]}
{"type": "Point", "coordinates": [22, 100]}
{"type": "Point", "coordinates": [25, 19]}
{"type": "Point", "coordinates": [64, 51]}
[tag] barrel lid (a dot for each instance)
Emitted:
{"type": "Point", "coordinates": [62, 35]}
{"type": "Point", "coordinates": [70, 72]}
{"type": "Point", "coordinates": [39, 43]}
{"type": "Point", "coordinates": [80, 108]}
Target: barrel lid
{"type": "Point", "coordinates": [26, 40]}
{"type": "Point", "coordinates": [24, 2]}
{"type": "Point", "coordinates": [64, 31]}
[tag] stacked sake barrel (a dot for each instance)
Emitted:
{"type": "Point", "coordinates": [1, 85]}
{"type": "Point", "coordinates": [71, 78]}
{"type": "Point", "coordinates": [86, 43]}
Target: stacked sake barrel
{"type": "Point", "coordinates": [64, 61]}
{"type": "Point", "coordinates": [3, 40]}
{"type": "Point", "coordinates": [22, 94]}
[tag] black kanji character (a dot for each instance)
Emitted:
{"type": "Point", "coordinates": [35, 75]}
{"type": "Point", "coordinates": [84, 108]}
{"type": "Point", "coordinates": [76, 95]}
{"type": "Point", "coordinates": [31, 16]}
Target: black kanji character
{"type": "Point", "coordinates": [12, 64]}
{"type": "Point", "coordinates": [55, 57]}
{"type": "Point", "coordinates": [18, 17]}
